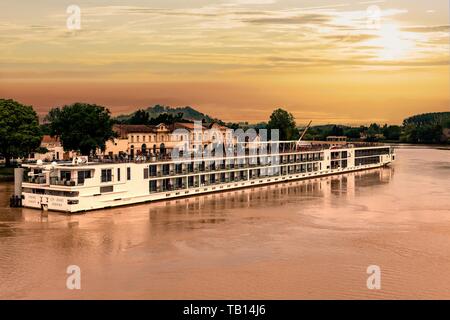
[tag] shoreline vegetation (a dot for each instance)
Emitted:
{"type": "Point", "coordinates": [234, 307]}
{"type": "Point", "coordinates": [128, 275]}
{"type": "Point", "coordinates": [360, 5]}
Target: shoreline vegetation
{"type": "Point", "coordinates": [85, 128]}
{"type": "Point", "coordinates": [6, 174]}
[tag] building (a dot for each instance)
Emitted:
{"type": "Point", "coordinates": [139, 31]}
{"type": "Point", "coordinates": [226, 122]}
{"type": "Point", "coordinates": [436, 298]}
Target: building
{"type": "Point", "coordinates": [157, 140]}
{"type": "Point", "coordinates": [55, 150]}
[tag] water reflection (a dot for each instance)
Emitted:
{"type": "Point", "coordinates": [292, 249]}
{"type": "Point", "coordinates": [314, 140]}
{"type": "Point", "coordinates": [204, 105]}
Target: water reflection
{"type": "Point", "coordinates": [193, 212]}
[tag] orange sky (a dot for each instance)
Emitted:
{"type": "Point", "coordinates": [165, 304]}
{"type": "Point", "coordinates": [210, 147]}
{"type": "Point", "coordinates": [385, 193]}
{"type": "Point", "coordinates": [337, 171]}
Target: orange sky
{"type": "Point", "coordinates": [352, 62]}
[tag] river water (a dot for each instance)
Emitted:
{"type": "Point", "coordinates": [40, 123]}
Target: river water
{"type": "Point", "coordinates": [299, 240]}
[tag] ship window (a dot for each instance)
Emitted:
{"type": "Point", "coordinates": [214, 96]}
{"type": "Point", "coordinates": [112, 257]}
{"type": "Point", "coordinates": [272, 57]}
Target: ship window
{"type": "Point", "coordinates": [82, 175]}
{"type": "Point", "coordinates": [128, 173]}
{"type": "Point", "coordinates": [106, 189]}
{"type": "Point", "coordinates": [65, 175]}
{"type": "Point", "coordinates": [145, 173]}
{"type": "Point", "coordinates": [106, 175]}
{"type": "Point", "coordinates": [152, 186]}
{"type": "Point", "coordinates": [153, 170]}
{"type": "Point", "coordinates": [118, 174]}
{"type": "Point", "coordinates": [52, 192]}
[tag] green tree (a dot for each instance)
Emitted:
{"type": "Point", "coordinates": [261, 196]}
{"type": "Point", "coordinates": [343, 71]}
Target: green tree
{"type": "Point", "coordinates": [392, 132]}
{"type": "Point", "coordinates": [353, 133]}
{"type": "Point", "coordinates": [81, 127]}
{"type": "Point", "coordinates": [285, 123]}
{"type": "Point", "coordinates": [139, 117]}
{"type": "Point", "coordinates": [20, 133]}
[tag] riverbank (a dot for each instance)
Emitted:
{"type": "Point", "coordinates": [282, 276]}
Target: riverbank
{"type": "Point", "coordinates": [6, 174]}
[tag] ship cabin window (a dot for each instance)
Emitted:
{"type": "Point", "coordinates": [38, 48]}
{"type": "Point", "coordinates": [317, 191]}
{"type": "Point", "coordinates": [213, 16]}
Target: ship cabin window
{"type": "Point", "coordinates": [212, 165]}
{"type": "Point", "coordinates": [179, 183]}
{"type": "Point", "coordinates": [118, 174]}
{"type": "Point", "coordinates": [152, 186]}
{"type": "Point", "coordinates": [178, 168]}
{"type": "Point", "coordinates": [166, 185]}
{"type": "Point", "coordinates": [367, 161]}
{"type": "Point", "coordinates": [191, 167]}
{"type": "Point", "coordinates": [106, 175]}
{"type": "Point", "coordinates": [202, 179]}
{"type": "Point", "coordinates": [202, 166]}
{"type": "Point", "coordinates": [212, 178]}
{"type": "Point", "coordinates": [83, 175]}
{"type": "Point", "coordinates": [65, 175]}
{"type": "Point", "coordinates": [191, 181]}
{"type": "Point", "coordinates": [145, 173]}
{"type": "Point", "coordinates": [232, 176]}
{"type": "Point", "coordinates": [166, 169]}
{"type": "Point", "coordinates": [128, 173]}
{"type": "Point", "coordinates": [222, 177]}
{"type": "Point", "coordinates": [107, 189]}
{"type": "Point", "coordinates": [153, 171]}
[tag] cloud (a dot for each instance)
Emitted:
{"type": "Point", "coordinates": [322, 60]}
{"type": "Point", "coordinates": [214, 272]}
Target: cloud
{"type": "Point", "coordinates": [351, 38]}
{"type": "Point", "coordinates": [425, 29]}
{"type": "Point", "coordinates": [309, 18]}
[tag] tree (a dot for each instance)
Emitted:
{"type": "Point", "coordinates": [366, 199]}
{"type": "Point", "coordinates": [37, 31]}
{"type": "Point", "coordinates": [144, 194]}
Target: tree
{"type": "Point", "coordinates": [392, 132]}
{"type": "Point", "coordinates": [20, 133]}
{"type": "Point", "coordinates": [285, 123]}
{"type": "Point", "coordinates": [353, 133]}
{"type": "Point", "coordinates": [81, 127]}
{"type": "Point", "coordinates": [139, 117]}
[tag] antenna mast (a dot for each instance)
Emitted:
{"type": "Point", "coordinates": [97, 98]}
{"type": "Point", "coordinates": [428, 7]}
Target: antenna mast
{"type": "Point", "coordinates": [304, 132]}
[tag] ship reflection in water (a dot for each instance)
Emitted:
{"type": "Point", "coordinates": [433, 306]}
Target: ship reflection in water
{"type": "Point", "coordinates": [218, 207]}
{"type": "Point", "coordinates": [304, 239]}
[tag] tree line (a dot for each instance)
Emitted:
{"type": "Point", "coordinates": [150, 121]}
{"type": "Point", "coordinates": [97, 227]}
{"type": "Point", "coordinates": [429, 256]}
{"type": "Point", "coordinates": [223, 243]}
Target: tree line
{"type": "Point", "coordinates": [425, 128]}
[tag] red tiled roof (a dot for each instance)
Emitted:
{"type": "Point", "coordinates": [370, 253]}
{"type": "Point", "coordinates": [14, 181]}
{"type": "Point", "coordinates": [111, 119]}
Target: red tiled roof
{"type": "Point", "coordinates": [124, 129]}
{"type": "Point", "coordinates": [186, 125]}
{"type": "Point", "coordinates": [49, 139]}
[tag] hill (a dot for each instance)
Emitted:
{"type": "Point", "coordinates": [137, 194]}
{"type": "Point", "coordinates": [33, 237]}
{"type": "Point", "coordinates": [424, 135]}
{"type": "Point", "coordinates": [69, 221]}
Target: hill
{"type": "Point", "coordinates": [188, 113]}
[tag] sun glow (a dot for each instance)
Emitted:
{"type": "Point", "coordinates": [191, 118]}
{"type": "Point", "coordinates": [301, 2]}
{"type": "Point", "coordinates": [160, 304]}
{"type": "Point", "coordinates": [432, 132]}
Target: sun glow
{"type": "Point", "coordinates": [392, 43]}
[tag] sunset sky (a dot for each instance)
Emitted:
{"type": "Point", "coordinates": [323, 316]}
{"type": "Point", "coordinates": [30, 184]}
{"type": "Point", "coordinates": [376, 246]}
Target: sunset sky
{"type": "Point", "coordinates": [349, 62]}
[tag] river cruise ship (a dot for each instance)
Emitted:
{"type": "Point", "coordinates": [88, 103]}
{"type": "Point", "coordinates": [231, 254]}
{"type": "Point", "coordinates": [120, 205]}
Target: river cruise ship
{"type": "Point", "coordinates": [79, 186]}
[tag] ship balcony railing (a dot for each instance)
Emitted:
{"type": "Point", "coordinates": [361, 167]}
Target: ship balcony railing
{"type": "Point", "coordinates": [64, 182]}
{"type": "Point", "coordinates": [36, 180]}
